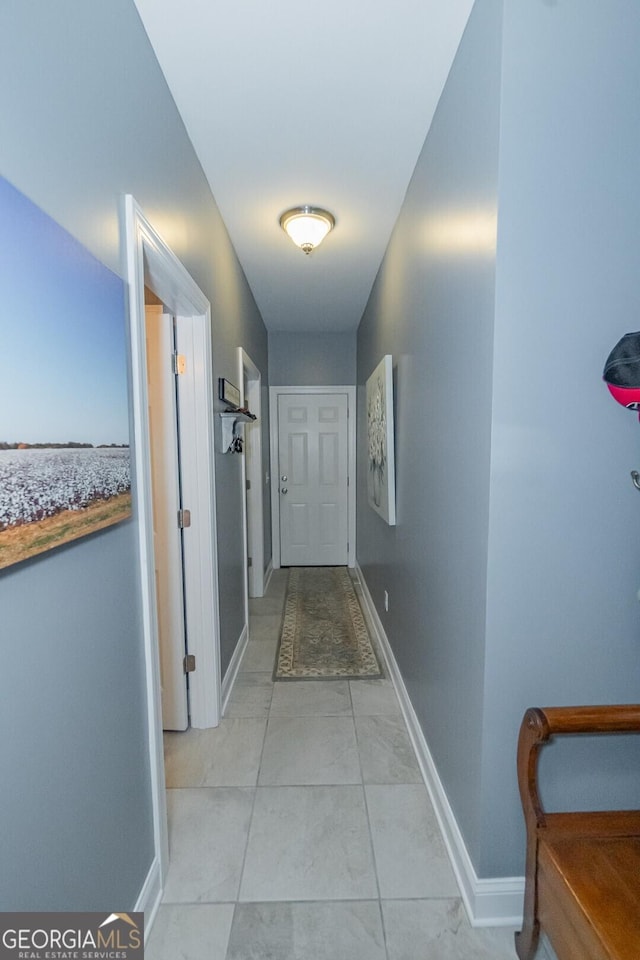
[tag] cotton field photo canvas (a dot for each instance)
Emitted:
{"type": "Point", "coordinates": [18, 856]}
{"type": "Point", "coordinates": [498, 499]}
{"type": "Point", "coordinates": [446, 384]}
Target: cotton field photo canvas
{"type": "Point", "coordinates": [65, 465]}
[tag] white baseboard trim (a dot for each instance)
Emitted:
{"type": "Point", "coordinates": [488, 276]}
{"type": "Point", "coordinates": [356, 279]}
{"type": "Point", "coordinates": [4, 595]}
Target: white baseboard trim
{"type": "Point", "coordinates": [489, 903]}
{"type": "Point", "coordinates": [234, 666]}
{"type": "Point", "coordinates": [150, 896]}
{"type": "Point", "coordinates": [267, 576]}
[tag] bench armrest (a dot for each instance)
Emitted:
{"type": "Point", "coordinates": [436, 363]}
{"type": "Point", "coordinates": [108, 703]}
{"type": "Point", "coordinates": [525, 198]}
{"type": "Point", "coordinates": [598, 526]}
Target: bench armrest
{"type": "Point", "coordinates": [539, 724]}
{"type": "Point", "coordinates": [602, 719]}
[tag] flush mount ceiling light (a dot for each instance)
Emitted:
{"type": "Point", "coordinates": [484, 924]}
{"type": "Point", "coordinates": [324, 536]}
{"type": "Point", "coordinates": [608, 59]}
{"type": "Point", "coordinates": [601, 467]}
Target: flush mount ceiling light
{"type": "Point", "coordinates": [307, 226]}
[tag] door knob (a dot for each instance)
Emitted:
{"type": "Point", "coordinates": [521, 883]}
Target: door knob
{"type": "Point", "coordinates": [284, 479]}
{"type": "Point", "coordinates": [283, 490]}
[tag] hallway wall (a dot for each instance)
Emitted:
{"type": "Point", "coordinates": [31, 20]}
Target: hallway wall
{"type": "Point", "coordinates": [86, 116]}
{"type": "Point", "coordinates": [432, 308]}
{"type": "Point", "coordinates": [513, 569]}
{"type": "Point", "coordinates": [563, 619]}
{"type": "Point", "coordinates": [312, 359]}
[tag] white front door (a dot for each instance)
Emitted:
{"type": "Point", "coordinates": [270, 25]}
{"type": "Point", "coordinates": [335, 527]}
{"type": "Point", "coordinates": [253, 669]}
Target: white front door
{"type": "Point", "coordinates": [313, 477]}
{"type": "Point", "coordinates": [165, 481]}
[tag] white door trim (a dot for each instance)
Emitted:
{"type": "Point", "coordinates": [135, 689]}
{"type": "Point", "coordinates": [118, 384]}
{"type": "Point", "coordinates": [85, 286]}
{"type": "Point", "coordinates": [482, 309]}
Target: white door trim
{"type": "Point", "coordinates": [252, 511]}
{"type": "Point", "coordinates": [149, 259]}
{"type": "Point", "coordinates": [274, 393]}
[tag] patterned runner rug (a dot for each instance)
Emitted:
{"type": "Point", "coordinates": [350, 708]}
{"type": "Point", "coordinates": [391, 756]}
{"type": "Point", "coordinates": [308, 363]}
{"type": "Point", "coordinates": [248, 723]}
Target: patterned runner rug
{"type": "Point", "coordinates": [323, 631]}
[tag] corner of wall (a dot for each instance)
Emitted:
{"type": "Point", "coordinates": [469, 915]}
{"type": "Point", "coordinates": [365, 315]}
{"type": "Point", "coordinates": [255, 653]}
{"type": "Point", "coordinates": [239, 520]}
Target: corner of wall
{"type": "Point", "coordinates": [489, 902]}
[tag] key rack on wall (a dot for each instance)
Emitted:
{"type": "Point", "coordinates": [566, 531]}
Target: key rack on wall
{"type": "Point", "coordinates": [233, 418]}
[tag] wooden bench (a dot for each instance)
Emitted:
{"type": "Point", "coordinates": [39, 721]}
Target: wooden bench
{"type": "Point", "coordinates": [582, 883]}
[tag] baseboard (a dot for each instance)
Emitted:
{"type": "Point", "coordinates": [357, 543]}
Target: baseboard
{"type": "Point", "coordinates": [150, 896]}
{"type": "Point", "coordinates": [489, 903]}
{"type": "Point", "coordinates": [234, 665]}
{"type": "Point", "coordinates": [267, 576]}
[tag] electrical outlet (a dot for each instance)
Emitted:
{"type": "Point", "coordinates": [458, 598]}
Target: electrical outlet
{"type": "Point", "coordinates": [386, 601]}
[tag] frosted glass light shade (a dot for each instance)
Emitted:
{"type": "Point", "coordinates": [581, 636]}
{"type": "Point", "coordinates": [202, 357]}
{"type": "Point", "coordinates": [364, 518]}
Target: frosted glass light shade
{"type": "Point", "coordinates": [307, 226]}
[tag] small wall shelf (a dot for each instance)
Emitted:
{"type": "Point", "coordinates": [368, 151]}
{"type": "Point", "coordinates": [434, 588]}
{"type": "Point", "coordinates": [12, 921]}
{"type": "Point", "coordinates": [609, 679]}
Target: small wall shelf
{"type": "Point", "coordinates": [232, 422]}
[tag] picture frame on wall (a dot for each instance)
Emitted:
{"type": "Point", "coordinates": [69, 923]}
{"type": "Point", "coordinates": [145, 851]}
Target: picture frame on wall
{"type": "Point", "coordinates": [65, 463]}
{"type": "Point", "coordinates": [381, 485]}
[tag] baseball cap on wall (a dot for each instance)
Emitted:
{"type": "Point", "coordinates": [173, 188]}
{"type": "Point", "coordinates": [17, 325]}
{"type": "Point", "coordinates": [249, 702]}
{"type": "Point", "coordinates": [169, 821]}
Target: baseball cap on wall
{"type": "Point", "coordinates": [622, 371]}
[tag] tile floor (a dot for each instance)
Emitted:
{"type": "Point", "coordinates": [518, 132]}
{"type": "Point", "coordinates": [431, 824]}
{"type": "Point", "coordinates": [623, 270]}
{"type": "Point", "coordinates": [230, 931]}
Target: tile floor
{"type": "Point", "coordinates": [300, 828]}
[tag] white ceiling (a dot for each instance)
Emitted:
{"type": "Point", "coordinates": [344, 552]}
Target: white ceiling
{"type": "Point", "coordinates": [294, 102]}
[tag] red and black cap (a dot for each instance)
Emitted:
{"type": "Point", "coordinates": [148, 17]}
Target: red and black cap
{"type": "Point", "coordinates": [622, 371]}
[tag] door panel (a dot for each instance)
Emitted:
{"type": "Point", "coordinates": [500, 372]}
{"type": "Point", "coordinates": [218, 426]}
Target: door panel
{"type": "Point", "coordinates": [297, 414]}
{"type": "Point", "coordinates": [298, 459]}
{"type": "Point", "coordinates": [166, 502]}
{"type": "Point", "coordinates": [313, 457]}
{"type": "Point", "coordinates": [328, 415]}
{"type": "Point", "coordinates": [299, 525]}
{"type": "Point", "coordinates": [329, 459]}
{"type": "Point", "coordinates": [329, 530]}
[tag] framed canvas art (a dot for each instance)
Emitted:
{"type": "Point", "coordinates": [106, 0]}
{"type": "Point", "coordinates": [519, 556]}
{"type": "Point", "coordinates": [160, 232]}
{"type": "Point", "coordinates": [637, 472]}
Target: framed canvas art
{"type": "Point", "coordinates": [65, 467]}
{"type": "Point", "coordinates": [381, 485]}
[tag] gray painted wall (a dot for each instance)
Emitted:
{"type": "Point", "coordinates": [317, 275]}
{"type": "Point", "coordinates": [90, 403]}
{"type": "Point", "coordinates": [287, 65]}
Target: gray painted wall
{"type": "Point", "coordinates": [310, 360]}
{"type": "Point", "coordinates": [85, 116]}
{"type": "Point", "coordinates": [563, 619]}
{"type": "Point", "coordinates": [513, 570]}
{"type": "Point", "coordinates": [432, 308]}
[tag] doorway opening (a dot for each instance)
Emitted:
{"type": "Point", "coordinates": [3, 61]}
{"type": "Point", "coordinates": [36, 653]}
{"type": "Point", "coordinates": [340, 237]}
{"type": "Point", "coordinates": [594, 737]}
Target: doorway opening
{"type": "Point", "coordinates": [164, 382]}
{"type": "Point", "coordinates": [313, 446]}
{"type": "Point", "coordinates": [151, 264]}
{"type": "Point", "coordinates": [253, 511]}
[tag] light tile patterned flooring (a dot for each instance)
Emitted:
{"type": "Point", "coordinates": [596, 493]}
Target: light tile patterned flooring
{"type": "Point", "coordinates": [300, 828]}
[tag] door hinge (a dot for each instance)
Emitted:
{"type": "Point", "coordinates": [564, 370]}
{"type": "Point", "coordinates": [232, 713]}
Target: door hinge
{"type": "Point", "coordinates": [248, 484]}
{"type": "Point", "coordinates": [179, 362]}
{"type": "Point", "coordinates": [249, 562]}
{"type": "Point", "coordinates": [189, 663]}
{"type": "Point", "coordinates": [184, 519]}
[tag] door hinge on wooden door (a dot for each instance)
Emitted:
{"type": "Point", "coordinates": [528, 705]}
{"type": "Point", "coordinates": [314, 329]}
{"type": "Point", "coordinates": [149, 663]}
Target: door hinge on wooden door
{"type": "Point", "coordinates": [184, 519]}
{"type": "Point", "coordinates": [179, 363]}
{"type": "Point", "coordinates": [189, 663]}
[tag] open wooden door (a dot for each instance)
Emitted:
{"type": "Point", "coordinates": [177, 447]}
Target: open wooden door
{"type": "Point", "coordinates": [165, 477]}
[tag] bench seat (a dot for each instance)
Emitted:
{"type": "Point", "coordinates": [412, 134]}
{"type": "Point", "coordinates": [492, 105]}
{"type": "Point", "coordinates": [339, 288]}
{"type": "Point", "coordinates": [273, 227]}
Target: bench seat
{"type": "Point", "coordinates": [582, 884]}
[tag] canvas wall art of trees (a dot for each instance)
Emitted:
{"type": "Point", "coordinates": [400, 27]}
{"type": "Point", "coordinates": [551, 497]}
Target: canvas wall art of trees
{"type": "Point", "coordinates": [381, 488]}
